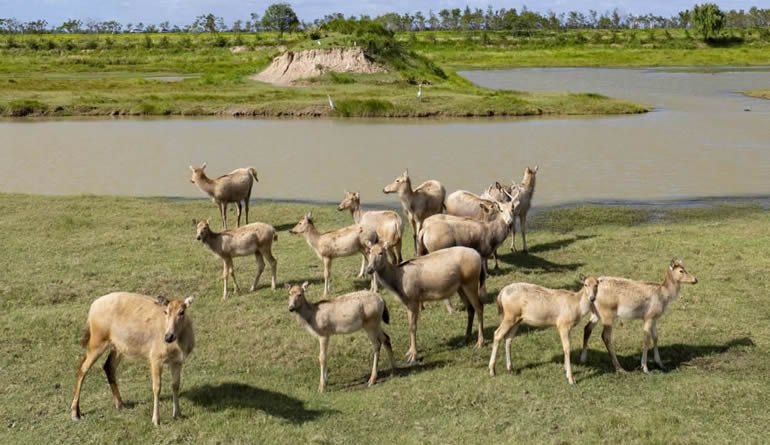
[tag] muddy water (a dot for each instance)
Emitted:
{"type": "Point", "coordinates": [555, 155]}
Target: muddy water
{"type": "Point", "coordinates": [699, 141]}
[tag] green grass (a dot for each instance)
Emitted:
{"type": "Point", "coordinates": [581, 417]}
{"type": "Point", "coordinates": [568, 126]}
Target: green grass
{"type": "Point", "coordinates": [76, 75]}
{"type": "Point", "coordinates": [253, 375]}
{"type": "Point", "coordinates": [762, 94]}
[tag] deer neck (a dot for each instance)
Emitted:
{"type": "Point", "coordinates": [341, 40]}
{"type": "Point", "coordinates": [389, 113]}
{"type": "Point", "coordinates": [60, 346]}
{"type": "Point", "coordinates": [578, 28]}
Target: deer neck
{"type": "Point", "coordinates": [391, 277]}
{"type": "Point", "coordinates": [307, 314]}
{"type": "Point", "coordinates": [312, 236]}
{"type": "Point", "coordinates": [205, 184]}
{"type": "Point", "coordinates": [356, 212]}
{"type": "Point", "coordinates": [670, 286]}
{"type": "Point", "coordinates": [213, 241]}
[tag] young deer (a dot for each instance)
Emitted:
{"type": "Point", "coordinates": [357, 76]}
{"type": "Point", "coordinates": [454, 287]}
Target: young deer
{"type": "Point", "coordinates": [632, 300]}
{"type": "Point", "coordinates": [335, 244]}
{"type": "Point", "coordinates": [136, 326]}
{"type": "Point", "coordinates": [526, 191]}
{"type": "Point", "coordinates": [252, 239]}
{"type": "Point", "coordinates": [540, 306]}
{"type": "Point", "coordinates": [386, 223]}
{"type": "Point", "coordinates": [418, 204]}
{"type": "Point", "coordinates": [232, 187]}
{"type": "Point", "coordinates": [343, 315]}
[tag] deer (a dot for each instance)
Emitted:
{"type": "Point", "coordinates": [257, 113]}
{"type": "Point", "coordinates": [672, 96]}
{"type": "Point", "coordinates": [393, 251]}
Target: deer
{"type": "Point", "coordinates": [136, 326]}
{"type": "Point", "coordinates": [386, 223]}
{"type": "Point", "coordinates": [252, 239]}
{"type": "Point", "coordinates": [498, 192]}
{"type": "Point", "coordinates": [635, 300]}
{"type": "Point", "coordinates": [333, 244]}
{"type": "Point", "coordinates": [232, 187]}
{"type": "Point", "coordinates": [467, 204]}
{"type": "Point", "coordinates": [525, 191]}
{"type": "Point", "coordinates": [435, 276]}
{"type": "Point", "coordinates": [418, 204]}
{"type": "Point", "coordinates": [540, 307]}
{"type": "Point", "coordinates": [343, 315]}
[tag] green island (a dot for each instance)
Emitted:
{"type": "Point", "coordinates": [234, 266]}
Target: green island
{"type": "Point", "coordinates": [762, 94]}
{"type": "Point", "coordinates": [254, 373]}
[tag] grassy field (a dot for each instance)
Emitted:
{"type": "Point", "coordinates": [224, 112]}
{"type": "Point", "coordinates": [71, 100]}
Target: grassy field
{"type": "Point", "coordinates": [763, 94]}
{"type": "Point", "coordinates": [589, 48]}
{"type": "Point", "coordinates": [66, 75]}
{"type": "Point", "coordinates": [254, 374]}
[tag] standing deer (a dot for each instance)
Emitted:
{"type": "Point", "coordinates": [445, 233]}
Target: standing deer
{"type": "Point", "coordinates": [386, 223]}
{"type": "Point", "coordinates": [338, 243]}
{"type": "Point", "coordinates": [232, 187]}
{"type": "Point", "coordinates": [255, 238]}
{"type": "Point", "coordinates": [343, 315]}
{"type": "Point", "coordinates": [526, 191]}
{"type": "Point", "coordinates": [497, 192]}
{"type": "Point", "coordinates": [136, 326]}
{"type": "Point", "coordinates": [632, 300]}
{"type": "Point", "coordinates": [436, 276]}
{"type": "Point", "coordinates": [539, 306]}
{"type": "Point", "coordinates": [418, 204]}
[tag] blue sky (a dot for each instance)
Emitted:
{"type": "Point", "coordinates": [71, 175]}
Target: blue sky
{"type": "Point", "coordinates": [184, 11]}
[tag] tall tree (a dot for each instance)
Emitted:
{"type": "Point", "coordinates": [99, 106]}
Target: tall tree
{"type": "Point", "coordinates": [708, 19]}
{"type": "Point", "coordinates": [280, 17]}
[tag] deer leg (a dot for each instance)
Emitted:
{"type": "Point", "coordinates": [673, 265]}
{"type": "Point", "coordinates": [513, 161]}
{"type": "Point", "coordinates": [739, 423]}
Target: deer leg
{"type": "Point", "coordinates": [385, 340]}
{"type": "Point", "coordinates": [111, 368]}
{"type": "Point", "coordinates": [239, 209]}
{"type": "Point", "coordinates": [607, 337]}
{"type": "Point", "coordinates": [523, 221]}
{"type": "Point", "coordinates": [155, 371]}
{"type": "Point", "coordinates": [413, 314]}
{"type": "Point", "coordinates": [260, 268]}
{"type": "Point", "coordinates": [324, 345]}
{"type": "Point", "coordinates": [92, 354]}
{"type": "Point", "coordinates": [397, 248]}
{"type": "Point", "coordinates": [413, 225]}
{"type": "Point", "coordinates": [500, 333]}
{"type": "Point", "coordinates": [479, 309]}
{"type": "Point", "coordinates": [225, 275]}
{"type": "Point", "coordinates": [230, 269]}
{"type": "Point", "coordinates": [564, 334]}
{"type": "Point", "coordinates": [497, 265]}
{"type": "Point", "coordinates": [223, 209]}
{"type": "Point", "coordinates": [513, 234]}
{"type": "Point", "coordinates": [587, 335]}
{"type": "Point", "coordinates": [647, 336]}
{"type": "Point", "coordinates": [448, 303]}
{"type": "Point", "coordinates": [246, 205]}
{"type": "Point", "coordinates": [508, 340]}
{"type": "Point", "coordinates": [374, 337]}
{"type": "Point", "coordinates": [327, 273]}
{"type": "Point", "coordinates": [176, 376]}
{"type": "Point", "coordinates": [656, 355]}
{"type": "Point", "coordinates": [363, 265]}
{"type": "Point", "coordinates": [266, 253]}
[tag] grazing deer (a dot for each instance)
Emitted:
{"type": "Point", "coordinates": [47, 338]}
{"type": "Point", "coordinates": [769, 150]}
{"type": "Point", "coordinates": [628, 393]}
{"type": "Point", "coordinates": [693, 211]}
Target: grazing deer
{"type": "Point", "coordinates": [436, 276]}
{"type": "Point", "coordinates": [386, 223]}
{"type": "Point", "coordinates": [632, 300]}
{"type": "Point", "coordinates": [343, 315]}
{"type": "Point", "coordinates": [338, 243]}
{"type": "Point", "coordinates": [418, 204]}
{"type": "Point", "coordinates": [232, 187]}
{"type": "Point", "coordinates": [252, 239]}
{"type": "Point", "coordinates": [136, 326]}
{"type": "Point", "coordinates": [540, 306]}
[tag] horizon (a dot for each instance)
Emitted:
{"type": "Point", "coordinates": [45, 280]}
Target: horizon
{"type": "Point", "coordinates": [183, 12]}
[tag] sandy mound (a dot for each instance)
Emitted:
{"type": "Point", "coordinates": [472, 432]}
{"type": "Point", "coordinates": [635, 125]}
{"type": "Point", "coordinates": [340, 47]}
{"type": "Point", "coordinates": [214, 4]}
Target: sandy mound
{"type": "Point", "coordinates": [291, 66]}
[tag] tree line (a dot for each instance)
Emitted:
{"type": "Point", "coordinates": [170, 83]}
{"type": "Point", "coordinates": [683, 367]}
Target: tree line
{"type": "Point", "coordinates": [281, 17]}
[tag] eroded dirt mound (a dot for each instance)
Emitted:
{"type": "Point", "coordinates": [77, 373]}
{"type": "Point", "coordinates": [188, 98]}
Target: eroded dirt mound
{"type": "Point", "coordinates": [291, 66]}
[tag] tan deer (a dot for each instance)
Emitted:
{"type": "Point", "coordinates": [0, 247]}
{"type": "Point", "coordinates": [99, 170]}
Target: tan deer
{"type": "Point", "coordinates": [343, 315]}
{"type": "Point", "coordinates": [333, 244]}
{"type": "Point", "coordinates": [540, 307]}
{"type": "Point", "coordinates": [525, 192]}
{"type": "Point", "coordinates": [418, 204]}
{"type": "Point", "coordinates": [386, 223]}
{"type": "Point", "coordinates": [252, 239]}
{"type": "Point", "coordinates": [433, 277]}
{"type": "Point", "coordinates": [632, 300]}
{"type": "Point", "coordinates": [232, 187]}
{"type": "Point", "coordinates": [136, 326]}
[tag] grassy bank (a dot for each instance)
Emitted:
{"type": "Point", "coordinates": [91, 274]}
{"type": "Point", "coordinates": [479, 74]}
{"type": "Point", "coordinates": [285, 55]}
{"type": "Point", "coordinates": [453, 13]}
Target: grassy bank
{"type": "Point", "coordinates": [762, 94]}
{"type": "Point", "coordinates": [590, 48]}
{"type": "Point", "coordinates": [253, 375]}
{"type": "Point", "coordinates": [81, 75]}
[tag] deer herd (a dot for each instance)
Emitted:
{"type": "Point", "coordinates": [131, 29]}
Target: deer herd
{"type": "Point", "coordinates": [454, 236]}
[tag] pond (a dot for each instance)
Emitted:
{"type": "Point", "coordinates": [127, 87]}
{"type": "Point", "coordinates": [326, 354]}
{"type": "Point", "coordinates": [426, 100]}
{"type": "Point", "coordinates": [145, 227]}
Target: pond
{"type": "Point", "coordinates": [698, 142]}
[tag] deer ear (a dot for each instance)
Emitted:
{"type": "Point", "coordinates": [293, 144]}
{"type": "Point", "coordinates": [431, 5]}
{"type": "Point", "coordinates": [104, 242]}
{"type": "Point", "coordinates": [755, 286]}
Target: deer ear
{"type": "Point", "coordinates": [305, 285]}
{"type": "Point", "coordinates": [535, 169]}
{"type": "Point", "coordinates": [188, 301]}
{"type": "Point", "coordinates": [195, 222]}
{"type": "Point", "coordinates": [161, 300]}
{"type": "Point", "coordinates": [208, 221]}
{"type": "Point", "coordinates": [581, 277]}
{"type": "Point", "coordinates": [203, 166]}
{"type": "Point", "coordinates": [498, 185]}
{"type": "Point", "coordinates": [191, 168]}
{"type": "Point", "coordinates": [288, 286]}
{"type": "Point", "coordinates": [357, 195]}
{"type": "Point", "coordinates": [406, 172]}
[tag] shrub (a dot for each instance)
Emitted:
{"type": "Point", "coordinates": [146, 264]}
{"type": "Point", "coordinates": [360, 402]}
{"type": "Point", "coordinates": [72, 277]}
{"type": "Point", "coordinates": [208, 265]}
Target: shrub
{"type": "Point", "coordinates": [24, 107]}
{"type": "Point", "coordinates": [33, 44]}
{"type": "Point", "coordinates": [315, 35]}
{"type": "Point", "coordinates": [68, 44]}
{"type": "Point", "coordinates": [90, 44]}
{"type": "Point", "coordinates": [11, 42]}
{"type": "Point", "coordinates": [363, 108]}
{"type": "Point", "coordinates": [164, 42]}
{"type": "Point", "coordinates": [220, 42]}
{"type": "Point", "coordinates": [109, 42]}
{"type": "Point", "coordinates": [48, 44]}
{"type": "Point", "coordinates": [147, 42]}
{"type": "Point", "coordinates": [238, 40]}
{"type": "Point", "coordinates": [340, 78]}
{"type": "Point", "coordinates": [185, 42]}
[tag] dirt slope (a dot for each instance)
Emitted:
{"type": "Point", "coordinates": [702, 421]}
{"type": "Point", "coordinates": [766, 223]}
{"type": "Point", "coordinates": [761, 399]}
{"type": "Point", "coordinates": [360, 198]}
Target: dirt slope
{"type": "Point", "coordinates": [291, 66]}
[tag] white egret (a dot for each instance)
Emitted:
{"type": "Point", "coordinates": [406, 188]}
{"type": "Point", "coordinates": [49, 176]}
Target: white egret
{"type": "Point", "coordinates": [419, 93]}
{"type": "Point", "coordinates": [331, 102]}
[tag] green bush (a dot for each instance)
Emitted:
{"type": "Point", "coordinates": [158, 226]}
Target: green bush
{"type": "Point", "coordinates": [340, 78]}
{"type": "Point", "coordinates": [90, 44]}
{"type": "Point", "coordinates": [109, 42]}
{"type": "Point", "coordinates": [11, 42]}
{"type": "Point", "coordinates": [25, 107]}
{"type": "Point", "coordinates": [363, 108]}
{"type": "Point", "coordinates": [164, 42]}
{"type": "Point", "coordinates": [147, 42]}
{"type": "Point", "coordinates": [33, 44]}
{"type": "Point", "coordinates": [220, 42]}
{"type": "Point", "coordinates": [185, 42]}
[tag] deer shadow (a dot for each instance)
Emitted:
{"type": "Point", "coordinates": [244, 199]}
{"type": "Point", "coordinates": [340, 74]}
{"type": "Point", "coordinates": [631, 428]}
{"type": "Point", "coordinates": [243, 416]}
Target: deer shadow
{"type": "Point", "coordinates": [385, 374]}
{"type": "Point", "coordinates": [533, 262]}
{"type": "Point", "coordinates": [558, 244]}
{"type": "Point", "coordinates": [228, 395]}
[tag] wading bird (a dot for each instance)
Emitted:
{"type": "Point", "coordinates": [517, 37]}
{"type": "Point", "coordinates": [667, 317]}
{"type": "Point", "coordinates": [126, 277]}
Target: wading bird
{"type": "Point", "coordinates": [331, 102]}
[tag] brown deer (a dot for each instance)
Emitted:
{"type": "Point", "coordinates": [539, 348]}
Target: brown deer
{"type": "Point", "coordinates": [433, 277]}
{"type": "Point", "coordinates": [338, 243]}
{"type": "Point", "coordinates": [633, 300]}
{"type": "Point", "coordinates": [540, 307]}
{"type": "Point", "coordinates": [343, 315]}
{"type": "Point", "coordinates": [525, 191]}
{"type": "Point", "coordinates": [386, 223]}
{"type": "Point", "coordinates": [136, 326]}
{"type": "Point", "coordinates": [232, 187]}
{"type": "Point", "coordinates": [418, 204]}
{"type": "Point", "coordinates": [252, 239]}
